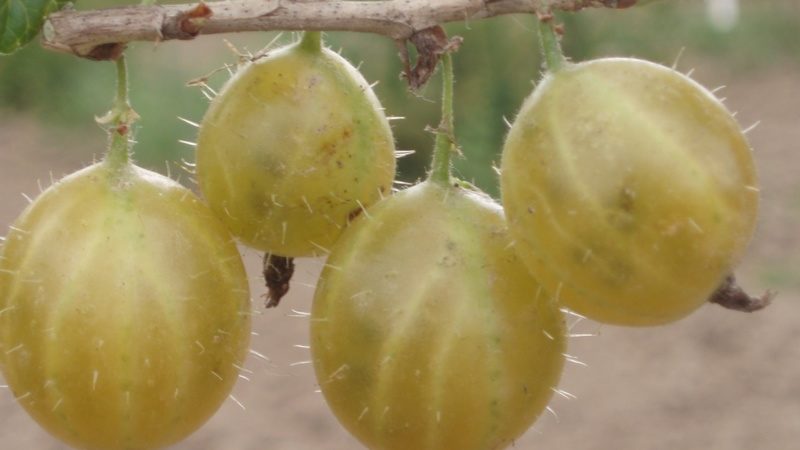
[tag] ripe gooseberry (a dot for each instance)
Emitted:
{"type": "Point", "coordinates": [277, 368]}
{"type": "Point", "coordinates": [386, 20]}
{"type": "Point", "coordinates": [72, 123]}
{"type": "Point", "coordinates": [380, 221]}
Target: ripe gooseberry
{"type": "Point", "coordinates": [294, 145]}
{"type": "Point", "coordinates": [124, 309]}
{"type": "Point", "coordinates": [427, 331]}
{"type": "Point", "coordinates": [630, 190]}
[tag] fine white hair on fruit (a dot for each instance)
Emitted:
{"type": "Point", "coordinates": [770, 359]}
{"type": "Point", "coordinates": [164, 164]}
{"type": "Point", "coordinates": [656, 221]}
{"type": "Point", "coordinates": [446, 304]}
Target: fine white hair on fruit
{"type": "Point", "coordinates": [325, 251]}
{"type": "Point", "coordinates": [583, 335]}
{"type": "Point", "coordinates": [238, 403]}
{"type": "Point", "coordinates": [574, 360]}
{"type": "Point", "coordinates": [678, 58]}
{"type": "Point", "coordinates": [259, 355]}
{"type": "Point", "coordinates": [751, 127]}
{"type": "Point", "coordinates": [189, 122]}
{"type": "Point", "coordinates": [18, 230]}
{"type": "Point", "coordinates": [562, 393]}
{"type": "Point", "coordinates": [241, 368]}
{"type": "Point", "coordinates": [327, 217]}
{"type": "Point", "coordinates": [299, 314]}
{"type": "Point", "coordinates": [308, 205]}
{"type": "Point", "coordinates": [559, 288]}
{"type": "Point", "coordinates": [363, 209]}
{"type": "Point", "coordinates": [266, 49]}
{"type": "Point", "coordinates": [403, 153]}
{"type": "Point", "coordinates": [553, 413]}
{"type": "Point", "coordinates": [15, 348]}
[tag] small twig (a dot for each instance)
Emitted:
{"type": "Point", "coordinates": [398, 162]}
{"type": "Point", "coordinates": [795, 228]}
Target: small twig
{"type": "Point", "coordinates": [730, 295]}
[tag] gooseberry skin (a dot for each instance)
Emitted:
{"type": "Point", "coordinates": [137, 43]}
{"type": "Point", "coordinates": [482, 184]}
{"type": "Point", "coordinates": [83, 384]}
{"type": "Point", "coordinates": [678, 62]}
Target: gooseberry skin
{"type": "Point", "coordinates": [630, 190]}
{"type": "Point", "coordinates": [292, 147]}
{"type": "Point", "coordinates": [124, 310]}
{"type": "Point", "coordinates": [427, 332]}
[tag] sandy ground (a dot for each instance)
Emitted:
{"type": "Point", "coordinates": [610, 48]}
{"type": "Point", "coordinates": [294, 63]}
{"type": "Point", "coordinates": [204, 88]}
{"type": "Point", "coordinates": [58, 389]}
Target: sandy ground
{"type": "Point", "coordinates": [716, 381]}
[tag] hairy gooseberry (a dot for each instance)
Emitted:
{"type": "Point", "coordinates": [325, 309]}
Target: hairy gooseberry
{"type": "Point", "coordinates": [294, 145]}
{"type": "Point", "coordinates": [427, 332]}
{"type": "Point", "coordinates": [629, 189]}
{"type": "Point", "coordinates": [124, 309]}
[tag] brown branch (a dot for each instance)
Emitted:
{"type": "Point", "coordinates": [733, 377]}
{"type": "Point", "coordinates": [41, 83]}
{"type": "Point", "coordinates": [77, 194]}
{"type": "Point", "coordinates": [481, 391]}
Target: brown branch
{"type": "Point", "coordinates": [92, 33]}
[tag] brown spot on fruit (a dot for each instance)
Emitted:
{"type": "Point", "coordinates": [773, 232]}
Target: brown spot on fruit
{"type": "Point", "coordinates": [353, 214]}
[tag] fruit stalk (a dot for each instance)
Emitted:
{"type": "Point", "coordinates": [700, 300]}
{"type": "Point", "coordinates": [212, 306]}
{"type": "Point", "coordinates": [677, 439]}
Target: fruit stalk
{"type": "Point", "coordinates": [120, 117]}
{"type": "Point", "coordinates": [312, 41]}
{"type": "Point", "coordinates": [445, 134]}
{"type": "Point", "coordinates": [548, 40]}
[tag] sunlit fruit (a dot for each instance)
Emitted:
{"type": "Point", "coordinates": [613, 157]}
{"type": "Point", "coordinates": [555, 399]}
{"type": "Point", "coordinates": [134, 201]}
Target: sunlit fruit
{"type": "Point", "coordinates": [427, 332]}
{"type": "Point", "coordinates": [630, 190]}
{"type": "Point", "coordinates": [292, 148]}
{"type": "Point", "coordinates": [124, 310]}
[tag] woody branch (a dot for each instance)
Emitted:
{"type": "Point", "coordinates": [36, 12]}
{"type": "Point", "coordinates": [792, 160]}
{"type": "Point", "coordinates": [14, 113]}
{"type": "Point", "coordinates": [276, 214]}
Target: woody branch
{"type": "Point", "coordinates": [103, 33]}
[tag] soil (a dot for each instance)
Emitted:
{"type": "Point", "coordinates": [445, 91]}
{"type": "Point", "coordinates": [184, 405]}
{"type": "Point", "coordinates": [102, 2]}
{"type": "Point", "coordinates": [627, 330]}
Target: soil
{"type": "Point", "coordinates": [718, 380]}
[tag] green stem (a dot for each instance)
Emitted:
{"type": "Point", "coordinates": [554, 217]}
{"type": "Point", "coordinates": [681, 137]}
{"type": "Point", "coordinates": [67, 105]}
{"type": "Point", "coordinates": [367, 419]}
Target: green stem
{"type": "Point", "coordinates": [121, 100]}
{"type": "Point", "coordinates": [548, 39]}
{"type": "Point", "coordinates": [311, 41]}
{"type": "Point", "coordinates": [122, 116]}
{"type": "Point", "coordinates": [445, 135]}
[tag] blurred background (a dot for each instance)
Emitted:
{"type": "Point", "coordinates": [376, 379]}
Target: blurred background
{"type": "Point", "coordinates": [717, 380]}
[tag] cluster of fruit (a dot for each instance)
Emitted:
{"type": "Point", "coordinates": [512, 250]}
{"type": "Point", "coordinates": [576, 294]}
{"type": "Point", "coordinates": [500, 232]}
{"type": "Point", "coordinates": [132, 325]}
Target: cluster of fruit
{"type": "Point", "coordinates": [629, 194]}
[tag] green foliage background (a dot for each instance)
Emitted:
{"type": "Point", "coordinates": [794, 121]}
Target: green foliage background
{"type": "Point", "coordinates": [495, 69]}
